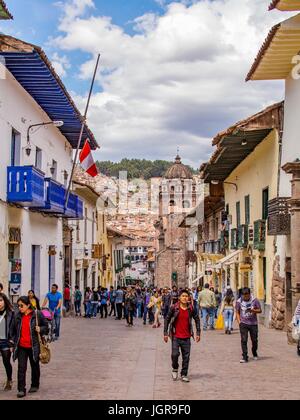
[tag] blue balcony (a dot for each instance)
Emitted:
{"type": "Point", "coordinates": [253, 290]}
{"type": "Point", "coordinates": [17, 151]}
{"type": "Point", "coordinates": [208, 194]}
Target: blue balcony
{"type": "Point", "coordinates": [25, 186]}
{"type": "Point", "coordinates": [55, 197]}
{"type": "Point", "coordinates": [72, 206]}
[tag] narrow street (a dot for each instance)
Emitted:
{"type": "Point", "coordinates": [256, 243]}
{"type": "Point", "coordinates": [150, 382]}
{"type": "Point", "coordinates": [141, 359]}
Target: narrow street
{"type": "Point", "coordinates": [102, 359]}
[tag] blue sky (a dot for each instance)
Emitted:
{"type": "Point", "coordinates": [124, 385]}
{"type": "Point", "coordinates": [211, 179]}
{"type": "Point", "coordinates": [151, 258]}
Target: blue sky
{"type": "Point", "coordinates": [171, 76]}
{"type": "Point", "coordinates": [37, 20]}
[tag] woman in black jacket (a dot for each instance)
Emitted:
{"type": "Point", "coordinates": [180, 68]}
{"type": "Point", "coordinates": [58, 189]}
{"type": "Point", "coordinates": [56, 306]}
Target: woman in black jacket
{"type": "Point", "coordinates": [6, 341]}
{"type": "Point", "coordinates": [25, 332]}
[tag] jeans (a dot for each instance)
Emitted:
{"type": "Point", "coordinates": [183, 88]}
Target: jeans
{"type": "Point", "coordinates": [148, 311]}
{"type": "Point", "coordinates": [67, 305]}
{"type": "Point", "coordinates": [139, 310]}
{"type": "Point", "coordinates": [93, 309]}
{"type": "Point", "coordinates": [6, 357]}
{"type": "Point", "coordinates": [77, 304]}
{"type": "Point", "coordinates": [112, 309]}
{"type": "Point", "coordinates": [208, 312]}
{"type": "Point", "coordinates": [129, 317]}
{"type": "Point", "coordinates": [103, 308]}
{"type": "Point", "coordinates": [196, 306]}
{"type": "Point", "coordinates": [253, 330]}
{"type": "Point", "coordinates": [185, 346]}
{"type": "Point", "coordinates": [119, 310]}
{"type": "Point", "coordinates": [87, 309]}
{"type": "Point", "coordinates": [23, 356]}
{"type": "Point", "coordinates": [57, 318]}
{"type": "Point", "coordinates": [228, 318]}
{"type": "Point", "coordinates": [166, 311]}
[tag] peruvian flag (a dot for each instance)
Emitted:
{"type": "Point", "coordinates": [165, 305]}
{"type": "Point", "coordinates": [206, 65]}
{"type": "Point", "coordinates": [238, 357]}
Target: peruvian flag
{"type": "Point", "coordinates": [87, 160]}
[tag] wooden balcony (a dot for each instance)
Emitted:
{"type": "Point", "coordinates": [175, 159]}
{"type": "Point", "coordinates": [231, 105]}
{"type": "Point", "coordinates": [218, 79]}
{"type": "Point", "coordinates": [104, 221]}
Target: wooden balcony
{"type": "Point", "coordinates": [279, 220]}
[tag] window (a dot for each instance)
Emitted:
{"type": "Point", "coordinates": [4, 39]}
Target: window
{"type": "Point", "coordinates": [15, 148]}
{"type": "Point", "coordinates": [265, 203]}
{"type": "Point", "coordinates": [247, 210]}
{"type": "Point", "coordinates": [54, 170]}
{"type": "Point", "coordinates": [238, 214]}
{"type": "Point", "coordinates": [38, 158]}
{"type": "Point", "coordinates": [78, 231]}
{"type": "Point", "coordinates": [93, 229]}
{"type": "Point", "coordinates": [85, 224]}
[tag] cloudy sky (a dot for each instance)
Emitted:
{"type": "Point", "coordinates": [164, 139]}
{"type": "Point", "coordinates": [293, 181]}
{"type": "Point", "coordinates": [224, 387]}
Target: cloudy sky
{"type": "Point", "coordinates": [172, 72]}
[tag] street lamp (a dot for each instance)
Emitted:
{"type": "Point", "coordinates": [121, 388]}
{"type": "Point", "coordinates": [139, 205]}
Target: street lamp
{"type": "Point", "coordinates": [55, 123]}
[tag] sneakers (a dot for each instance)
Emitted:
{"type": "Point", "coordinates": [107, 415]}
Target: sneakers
{"type": "Point", "coordinates": [244, 361]}
{"type": "Point", "coordinates": [8, 386]}
{"type": "Point", "coordinates": [256, 358]}
{"type": "Point", "coordinates": [21, 394]}
{"type": "Point", "coordinates": [175, 375]}
{"type": "Point", "coordinates": [33, 389]}
{"type": "Point", "coordinates": [185, 379]}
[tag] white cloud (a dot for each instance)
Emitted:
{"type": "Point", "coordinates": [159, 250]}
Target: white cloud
{"type": "Point", "coordinates": [60, 63]}
{"type": "Point", "coordinates": [177, 81]}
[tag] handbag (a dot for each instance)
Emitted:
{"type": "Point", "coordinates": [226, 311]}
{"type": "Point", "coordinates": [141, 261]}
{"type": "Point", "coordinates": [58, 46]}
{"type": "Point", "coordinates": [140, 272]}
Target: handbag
{"type": "Point", "coordinates": [45, 353]}
{"type": "Point", "coordinates": [220, 325]}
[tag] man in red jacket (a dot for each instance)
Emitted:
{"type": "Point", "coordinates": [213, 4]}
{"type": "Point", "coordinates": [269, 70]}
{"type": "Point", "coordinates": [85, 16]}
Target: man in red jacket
{"type": "Point", "coordinates": [178, 326]}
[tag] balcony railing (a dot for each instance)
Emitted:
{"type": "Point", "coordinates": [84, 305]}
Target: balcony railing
{"type": "Point", "coordinates": [279, 220]}
{"type": "Point", "coordinates": [260, 235]}
{"type": "Point", "coordinates": [213, 247]}
{"type": "Point", "coordinates": [55, 197]}
{"type": "Point", "coordinates": [25, 186]}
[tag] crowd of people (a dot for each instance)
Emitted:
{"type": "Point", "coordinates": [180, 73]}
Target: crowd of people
{"type": "Point", "coordinates": [21, 326]}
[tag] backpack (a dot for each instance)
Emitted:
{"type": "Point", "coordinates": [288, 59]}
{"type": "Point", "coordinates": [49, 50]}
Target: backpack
{"type": "Point", "coordinates": [95, 297]}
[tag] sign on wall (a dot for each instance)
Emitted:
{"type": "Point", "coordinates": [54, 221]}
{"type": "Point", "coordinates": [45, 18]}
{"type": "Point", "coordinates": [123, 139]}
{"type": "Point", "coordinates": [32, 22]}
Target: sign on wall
{"type": "Point", "coordinates": [16, 271]}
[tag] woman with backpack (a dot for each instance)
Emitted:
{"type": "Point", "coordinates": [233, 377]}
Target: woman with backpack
{"type": "Point", "coordinates": [25, 329]}
{"type": "Point", "coordinates": [227, 308]}
{"type": "Point", "coordinates": [156, 304]}
{"type": "Point", "coordinates": [6, 340]}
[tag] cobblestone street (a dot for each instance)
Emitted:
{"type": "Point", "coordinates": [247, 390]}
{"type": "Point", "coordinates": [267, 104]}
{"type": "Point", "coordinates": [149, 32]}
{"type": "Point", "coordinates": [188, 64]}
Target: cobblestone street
{"type": "Point", "coordinates": [102, 359]}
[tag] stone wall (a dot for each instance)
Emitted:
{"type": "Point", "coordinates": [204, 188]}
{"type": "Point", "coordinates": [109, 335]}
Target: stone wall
{"type": "Point", "coordinates": [278, 298]}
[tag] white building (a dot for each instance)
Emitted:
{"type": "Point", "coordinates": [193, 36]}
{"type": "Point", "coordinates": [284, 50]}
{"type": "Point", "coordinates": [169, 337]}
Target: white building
{"type": "Point", "coordinates": [85, 268]}
{"type": "Point", "coordinates": [35, 166]}
{"type": "Point", "coordinates": [278, 59]}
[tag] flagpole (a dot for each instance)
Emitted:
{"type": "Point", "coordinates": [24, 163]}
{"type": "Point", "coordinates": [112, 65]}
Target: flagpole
{"type": "Point", "coordinates": [81, 132]}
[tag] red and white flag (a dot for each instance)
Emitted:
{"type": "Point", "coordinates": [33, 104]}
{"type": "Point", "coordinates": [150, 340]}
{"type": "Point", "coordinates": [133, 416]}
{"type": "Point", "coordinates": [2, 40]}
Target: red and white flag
{"type": "Point", "coordinates": [87, 160]}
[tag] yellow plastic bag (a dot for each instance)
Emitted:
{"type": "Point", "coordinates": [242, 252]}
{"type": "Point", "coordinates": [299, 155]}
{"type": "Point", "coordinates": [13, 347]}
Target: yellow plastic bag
{"type": "Point", "coordinates": [220, 325]}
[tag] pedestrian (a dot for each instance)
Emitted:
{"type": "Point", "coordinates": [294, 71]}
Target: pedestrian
{"type": "Point", "coordinates": [179, 327]}
{"type": "Point", "coordinates": [119, 302]}
{"type": "Point", "coordinates": [207, 303]}
{"type": "Point", "coordinates": [139, 303]}
{"type": "Point", "coordinates": [166, 302]}
{"type": "Point", "coordinates": [156, 304]}
{"type": "Point", "coordinates": [26, 342]}
{"type": "Point", "coordinates": [297, 323]}
{"type": "Point", "coordinates": [54, 298]}
{"type": "Point", "coordinates": [35, 303]}
{"type": "Point", "coordinates": [103, 302]}
{"type": "Point", "coordinates": [77, 301]}
{"type": "Point", "coordinates": [94, 303]}
{"type": "Point", "coordinates": [1, 288]}
{"type": "Point", "coordinates": [6, 339]}
{"type": "Point", "coordinates": [148, 311]}
{"type": "Point", "coordinates": [87, 301]}
{"type": "Point", "coordinates": [112, 300]}
{"type": "Point", "coordinates": [247, 309]}
{"type": "Point", "coordinates": [227, 308]}
{"type": "Point", "coordinates": [130, 304]}
{"type": "Point", "coordinates": [218, 296]}
{"type": "Point", "coordinates": [174, 295]}
{"type": "Point", "coordinates": [67, 297]}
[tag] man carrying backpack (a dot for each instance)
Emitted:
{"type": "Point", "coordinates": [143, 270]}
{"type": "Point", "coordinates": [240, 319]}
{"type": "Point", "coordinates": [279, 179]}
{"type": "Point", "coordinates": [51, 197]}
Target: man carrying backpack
{"type": "Point", "coordinates": [77, 301]}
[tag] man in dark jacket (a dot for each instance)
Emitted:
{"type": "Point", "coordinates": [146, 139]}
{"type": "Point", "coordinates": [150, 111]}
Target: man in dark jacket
{"type": "Point", "coordinates": [179, 326]}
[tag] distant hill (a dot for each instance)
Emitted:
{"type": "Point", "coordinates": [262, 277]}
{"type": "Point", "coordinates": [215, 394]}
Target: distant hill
{"type": "Point", "coordinates": [137, 168]}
